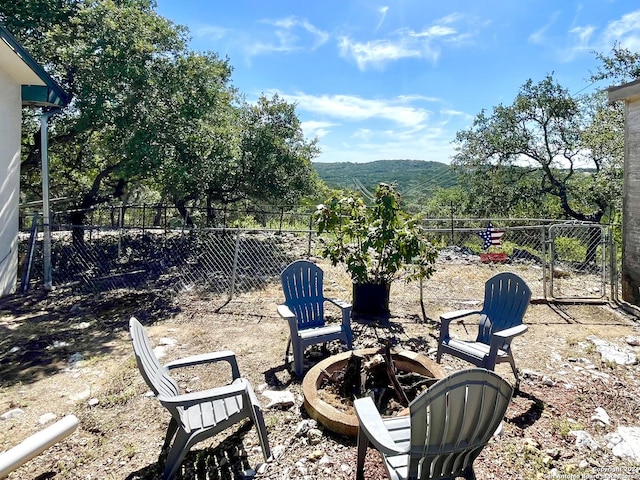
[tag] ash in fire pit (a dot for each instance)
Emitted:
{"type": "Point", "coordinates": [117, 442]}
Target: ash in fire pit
{"type": "Point", "coordinates": [376, 376]}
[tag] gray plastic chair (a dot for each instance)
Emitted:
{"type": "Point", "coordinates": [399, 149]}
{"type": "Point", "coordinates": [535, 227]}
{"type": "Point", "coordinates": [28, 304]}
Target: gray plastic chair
{"type": "Point", "coordinates": [304, 310]}
{"type": "Point", "coordinates": [506, 299]}
{"type": "Point", "coordinates": [199, 415]}
{"type": "Point", "coordinates": [448, 426]}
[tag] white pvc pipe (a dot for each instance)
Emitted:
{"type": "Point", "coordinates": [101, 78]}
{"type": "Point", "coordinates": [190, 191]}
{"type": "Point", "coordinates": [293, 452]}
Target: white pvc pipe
{"type": "Point", "coordinates": [36, 444]}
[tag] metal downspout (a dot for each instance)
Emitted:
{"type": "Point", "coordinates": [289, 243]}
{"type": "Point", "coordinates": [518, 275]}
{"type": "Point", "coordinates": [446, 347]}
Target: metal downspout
{"type": "Point", "coordinates": [46, 226]}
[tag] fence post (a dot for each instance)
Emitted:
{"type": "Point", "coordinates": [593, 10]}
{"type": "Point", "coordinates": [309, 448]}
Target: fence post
{"type": "Point", "coordinates": [234, 268]}
{"type": "Point", "coordinates": [144, 211]}
{"type": "Point", "coordinates": [453, 242]}
{"type": "Point", "coordinates": [310, 235]}
{"type": "Point", "coordinates": [120, 222]}
{"type": "Point", "coordinates": [545, 267]}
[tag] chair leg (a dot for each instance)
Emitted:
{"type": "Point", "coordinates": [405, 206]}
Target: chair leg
{"type": "Point", "coordinates": [298, 358]}
{"type": "Point", "coordinates": [171, 431]}
{"type": "Point", "coordinates": [363, 444]}
{"type": "Point", "coordinates": [468, 473]}
{"type": "Point", "coordinates": [258, 421]}
{"type": "Point", "coordinates": [176, 455]}
{"type": "Point", "coordinates": [515, 371]}
{"type": "Point", "coordinates": [286, 352]}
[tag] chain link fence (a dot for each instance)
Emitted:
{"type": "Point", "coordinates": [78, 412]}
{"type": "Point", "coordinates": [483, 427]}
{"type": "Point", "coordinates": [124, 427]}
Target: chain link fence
{"type": "Point", "coordinates": [575, 261]}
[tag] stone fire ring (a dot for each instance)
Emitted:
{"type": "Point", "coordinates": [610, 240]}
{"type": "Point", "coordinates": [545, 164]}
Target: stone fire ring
{"type": "Point", "coordinates": [340, 422]}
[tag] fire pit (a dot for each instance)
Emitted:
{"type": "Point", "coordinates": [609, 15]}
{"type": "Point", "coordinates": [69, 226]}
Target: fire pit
{"type": "Point", "coordinates": [344, 423]}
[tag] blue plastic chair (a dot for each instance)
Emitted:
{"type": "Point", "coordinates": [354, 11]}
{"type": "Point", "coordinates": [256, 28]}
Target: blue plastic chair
{"type": "Point", "coordinates": [506, 298]}
{"type": "Point", "coordinates": [304, 310]}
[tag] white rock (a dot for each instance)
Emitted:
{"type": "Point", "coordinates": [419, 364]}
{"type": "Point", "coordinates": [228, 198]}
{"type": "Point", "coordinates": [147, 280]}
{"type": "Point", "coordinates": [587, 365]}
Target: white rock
{"type": "Point", "coordinates": [300, 467]}
{"type": "Point", "coordinates": [169, 342]}
{"type": "Point", "coordinates": [548, 381]}
{"type": "Point", "coordinates": [93, 402]}
{"type": "Point", "coordinates": [612, 353]}
{"type": "Point", "coordinates": [160, 351]}
{"type": "Point", "coordinates": [276, 452]}
{"type": "Point", "coordinates": [279, 398]}
{"type": "Point", "coordinates": [46, 418]}
{"type": "Point", "coordinates": [303, 427]}
{"type": "Point", "coordinates": [633, 341]}
{"type": "Point", "coordinates": [531, 374]}
{"type": "Point", "coordinates": [13, 413]}
{"type": "Point", "coordinates": [83, 395]}
{"type": "Point", "coordinates": [584, 440]}
{"type": "Point", "coordinates": [625, 443]}
{"type": "Point", "coordinates": [600, 416]}
{"type": "Point", "coordinates": [315, 436]}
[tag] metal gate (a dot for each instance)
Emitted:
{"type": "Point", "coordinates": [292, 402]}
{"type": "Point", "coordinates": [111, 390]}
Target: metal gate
{"type": "Point", "coordinates": [578, 261]}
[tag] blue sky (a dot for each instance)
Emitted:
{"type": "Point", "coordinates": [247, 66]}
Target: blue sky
{"type": "Point", "coordinates": [397, 79]}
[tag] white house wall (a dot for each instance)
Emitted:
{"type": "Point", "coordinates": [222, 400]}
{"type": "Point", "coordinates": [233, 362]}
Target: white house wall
{"type": "Point", "coordinates": [10, 125]}
{"type": "Point", "coordinates": [631, 204]}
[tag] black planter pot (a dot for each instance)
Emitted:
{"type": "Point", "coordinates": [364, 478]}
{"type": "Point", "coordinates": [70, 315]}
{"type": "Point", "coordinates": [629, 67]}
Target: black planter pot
{"type": "Point", "coordinates": [370, 301]}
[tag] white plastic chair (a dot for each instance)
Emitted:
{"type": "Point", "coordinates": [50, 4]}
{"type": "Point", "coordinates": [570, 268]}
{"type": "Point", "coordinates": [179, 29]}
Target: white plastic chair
{"type": "Point", "coordinates": [448, 426]}
{"type": "Point", "coordinates": [199, 415]}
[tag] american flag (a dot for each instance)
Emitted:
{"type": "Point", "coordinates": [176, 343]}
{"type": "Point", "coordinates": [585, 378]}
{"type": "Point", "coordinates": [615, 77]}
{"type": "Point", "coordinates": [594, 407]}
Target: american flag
{"type": "Point", "coordinates": [491, 236]}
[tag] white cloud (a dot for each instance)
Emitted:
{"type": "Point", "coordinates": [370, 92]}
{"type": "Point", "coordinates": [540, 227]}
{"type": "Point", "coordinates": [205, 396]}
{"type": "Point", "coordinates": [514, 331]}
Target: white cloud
{"type": "Point", "coordinates": [314, 128]}
{"type": "Point", "coordinates": [406, 43]}
{"type": "Point", "coordinates": [356, 129]}
{"type": "Point", "coordinates": [378, 52]}
{"type": "Point", "coordinates": [626, 31]}
{"type": "Point", "coordinates": [539, 36]}
{"type": "Point", "coordinates": [383, 14]}
{"type": "Point", "coordinates": [282, 35]}
{"type": "Point", "coordinates": [212, 32]}
{"type": "Point", "coordinates": [288, 25]}
{"type": "Point", "coordinates": [354, 109]}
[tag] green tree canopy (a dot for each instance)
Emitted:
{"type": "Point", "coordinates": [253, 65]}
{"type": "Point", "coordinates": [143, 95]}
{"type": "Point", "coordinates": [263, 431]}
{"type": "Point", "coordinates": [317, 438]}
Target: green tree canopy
{"type": "Point", "coordinates": [545, 145]}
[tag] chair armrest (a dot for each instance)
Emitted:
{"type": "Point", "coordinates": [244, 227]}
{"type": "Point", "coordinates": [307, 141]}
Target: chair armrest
{"type": "Point", "coordinates": [499, 339]}
{"type": "Point", "coordinates": [373, 427]}
{"type": "Point", "coordinates": [188, 399]}
{"type": "Point", "coordinates": [509, 333]}
{"type": "Point", "coordinates": [224, 355]}
{"type": "Point", "coordinates": [346, 310]}
{"type": "Point", "coordinates": [447, 317]}
{"type": "Point", "coordinates": [338, 302]}
{"type": "Point", "coordinates": [285, 312]}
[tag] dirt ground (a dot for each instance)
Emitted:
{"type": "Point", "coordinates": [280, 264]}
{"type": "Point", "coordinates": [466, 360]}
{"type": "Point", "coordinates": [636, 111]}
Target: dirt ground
{"type": "Point", "coordinates": [67, 354]}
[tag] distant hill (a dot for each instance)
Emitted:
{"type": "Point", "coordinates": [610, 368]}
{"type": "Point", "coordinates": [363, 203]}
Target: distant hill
{"type": "Point", "coordinates": [411, 176]}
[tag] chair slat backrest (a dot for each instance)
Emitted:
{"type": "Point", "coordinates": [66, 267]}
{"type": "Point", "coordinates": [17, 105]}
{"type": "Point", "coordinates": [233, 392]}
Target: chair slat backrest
{"type": "Point", "coordinates": [154, 374]}
{"type": "Point", "coordinates": [453, 420]}
{"type": "Point", "coordinates": [302, 286]}
{"type": "Point", "coordinates": [506, 298]}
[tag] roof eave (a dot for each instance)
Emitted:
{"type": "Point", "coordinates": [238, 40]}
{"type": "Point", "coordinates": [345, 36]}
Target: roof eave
{"type": "Point", "coordinates": [48, 95]}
